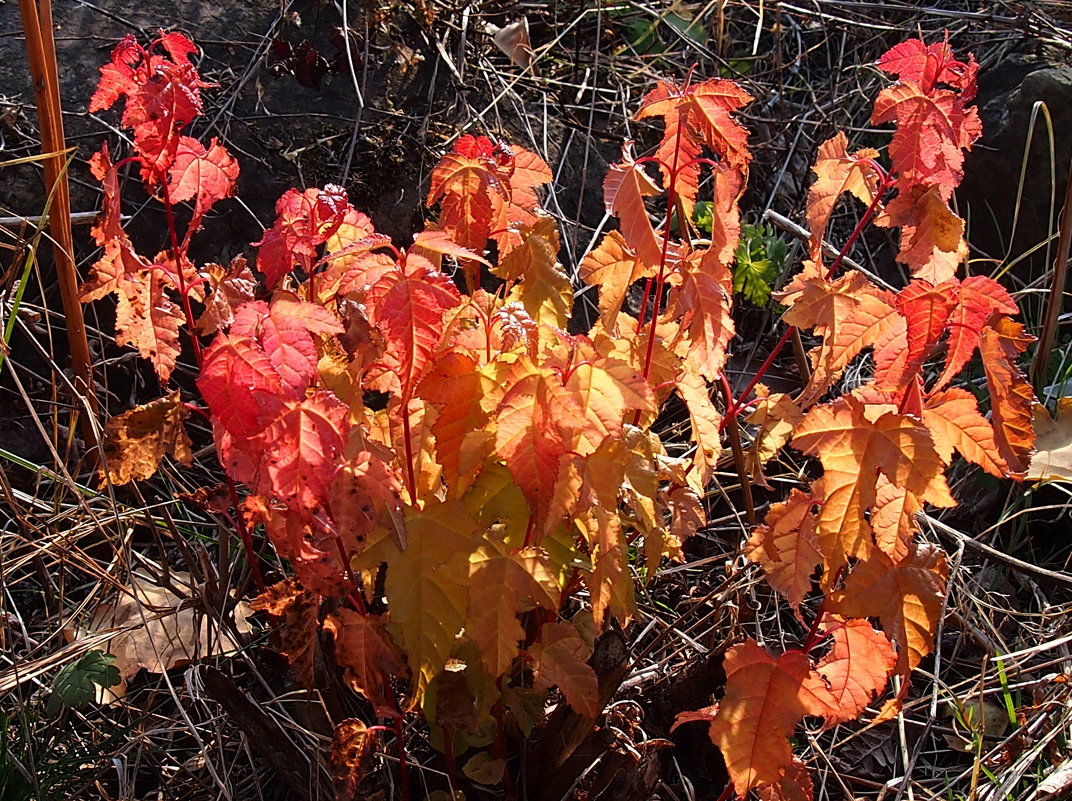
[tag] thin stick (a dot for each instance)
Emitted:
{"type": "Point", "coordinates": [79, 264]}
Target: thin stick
{"type": "Point", "coordinates": [1041, 362]}
{"type": "Point", "coordinates": [41, 54]}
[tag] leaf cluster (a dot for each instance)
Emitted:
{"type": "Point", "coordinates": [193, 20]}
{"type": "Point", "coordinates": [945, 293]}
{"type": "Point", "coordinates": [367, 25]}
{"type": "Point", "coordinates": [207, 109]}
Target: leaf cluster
{"type": "Point", "coordinates": [454, 529]}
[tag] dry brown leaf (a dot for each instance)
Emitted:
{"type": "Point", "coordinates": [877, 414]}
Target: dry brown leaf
{"type": "Point", "coordinates": [158, 629]}
{"type": "Point", "coordinates": [136, 442]}
{"type": "Point", "coordinates": [299, 609]}
{"type": "Point", "coordinates": [352, 748]}
{"type": "Point", "coordinates": [1052, 460]}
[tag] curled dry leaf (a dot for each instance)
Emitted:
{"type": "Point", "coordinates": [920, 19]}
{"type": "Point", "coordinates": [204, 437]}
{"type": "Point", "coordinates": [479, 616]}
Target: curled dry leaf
{"type": "Point", "coordinates": [299, 609]}
{"type": "Point", "coordinates": [136, 442]}
{"type": "Point", "coordinates": [353, 747]}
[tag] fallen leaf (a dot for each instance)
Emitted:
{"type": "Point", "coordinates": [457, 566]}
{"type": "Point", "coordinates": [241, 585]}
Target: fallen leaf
{"type": "Point", "coordinates": [1053, 447]}
{"type": "Point", "coordinates": [158, 629]}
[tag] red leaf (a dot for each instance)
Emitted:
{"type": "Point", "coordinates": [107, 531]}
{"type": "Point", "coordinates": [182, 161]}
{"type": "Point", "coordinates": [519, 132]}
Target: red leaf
{"type": "Point", "coordinates": [304, 222]}
{"type": "Point", "coordinates": [927, 65]}
{"type": "Point", "coordinates": [284, 332]}
{"type": "Point", "coordinates": [411, 313]}
{"type": "Point", "coordinates": [926, 309]}
{"type": "Point", "coordinates": [117, 76]}
{"type": "Point", "coordinates": [208, 175]}
{"type": "Point", "coordinates": [301, 449]}
{"type": "Point", "coordinates": [933, 130]}
{"type": "Point", "coordinates": [538, 420]}
{"type": "Point", "coordinates": [979, 297]}
{"type": "Point", "coordinates": [240, 385]}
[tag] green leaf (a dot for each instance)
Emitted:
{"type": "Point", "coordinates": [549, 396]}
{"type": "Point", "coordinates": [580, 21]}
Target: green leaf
{"type": "Point", "coordinates": [759, 259]}
{"type": "Point", "coordinates": [76, 684]}
{"type": "Point", "coordinates": [703, 216]}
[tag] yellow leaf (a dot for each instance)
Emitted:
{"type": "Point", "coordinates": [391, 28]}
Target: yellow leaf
{"type": "Point", "coordinates": [427, 585]}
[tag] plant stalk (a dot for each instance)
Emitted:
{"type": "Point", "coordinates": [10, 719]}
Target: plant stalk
{"type": "Point", "coordinates": [41, 55]}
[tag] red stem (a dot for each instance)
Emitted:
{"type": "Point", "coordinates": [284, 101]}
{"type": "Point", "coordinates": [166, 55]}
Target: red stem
{"type": "Point", "coordinates": [178, 254]}
{"type": "Point", "coordinates": [247, 538]}
{"type": "Point", "coordinates": [731, 414]}
{"type": "Point", "coordinates": [400, 743]}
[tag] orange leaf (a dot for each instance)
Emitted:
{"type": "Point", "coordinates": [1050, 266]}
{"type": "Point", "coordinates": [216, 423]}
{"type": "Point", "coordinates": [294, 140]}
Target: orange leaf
{"type": "Point", "coordinates": [698, 116]}
{"type": "Point", "coordinates": [231, 287]}
{"type": "Point", "coordinates": [932, 236]}
{"type": "Point", "coordinates": [905, 596]}
{"type": "Point", "coordinates": [136, 441]}
{"type": "Point", "coordinates": [613, 267]}
{"type": "Point", "coordinates": [456, 388]}
{"type": "Point", "coordinates": [893, 518]}
{"type": "Point", "coordinates": [472, 190]}
{"type": "Point", "coordinates": [537, 423]}
{"type": "Point", "coordinates": [705, 421]}
{"type": "Point", "coordinates": [502, 583]}
{"type": "Point", "coordinates": [605, 389]}
{"type": "Point", "coordinates": [367, 653]}
{"type": "Point", "coordinates": [836, 172]}
{"type": "Point", "coordinates": [785, 546]}
{"type": "Point", "coordinates": [776, 416]}
{"type": "Point", "coordinates": [853, 449]}
{"type": "Point", "coordinates": [703, 303]}
{"type": "Point", "coordinates": [544, 290]}
{"type": "Point", "coordinates": [795, 785]}
{"type": "Point", "coordinates": [529, 172]}
{"type": "Point", "coordinates": [624, 190]}
{"type": "Point", "coordinates": [610, 584]}
{"type": "Point", "coordinates": [1011, 396]}
{"type": "Point", "coordinates": [850, 314]}
{"type": "Point", "coordinates": [765, 699]}
{"type": "Point", "coordinates": [561, 660]}
{"type": "Point", "coordinates": [857, 669]}
{"type": "Point", "coordinates": [955, 422]}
